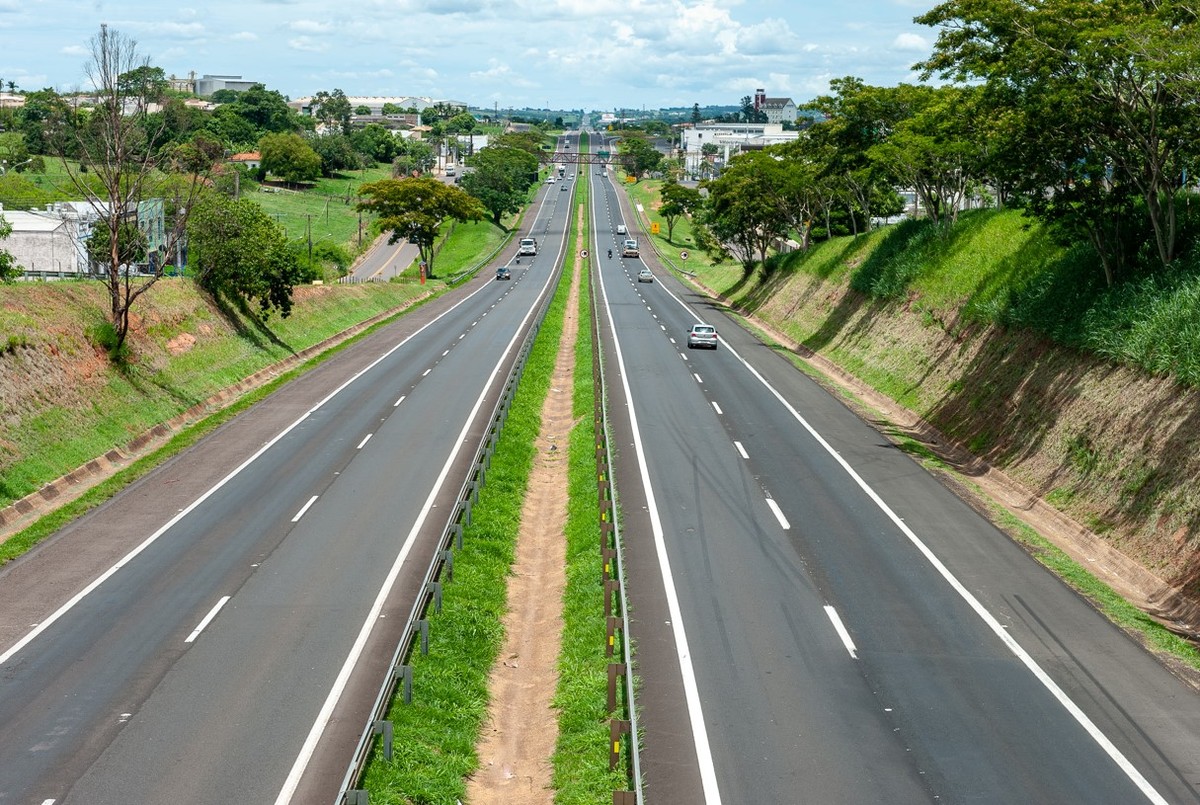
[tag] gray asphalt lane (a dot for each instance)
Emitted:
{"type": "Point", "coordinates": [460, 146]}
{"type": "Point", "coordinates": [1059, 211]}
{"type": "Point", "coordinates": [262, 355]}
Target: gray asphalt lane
{"type": "Point", "coordinates": [109, 704]}
{"type": "Point", "coordinates": [935, 705]}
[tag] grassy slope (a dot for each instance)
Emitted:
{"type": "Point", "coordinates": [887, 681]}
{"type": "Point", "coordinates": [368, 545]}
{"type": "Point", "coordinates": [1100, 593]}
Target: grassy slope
{"type": "Point", "coordinates": [1002, 338]}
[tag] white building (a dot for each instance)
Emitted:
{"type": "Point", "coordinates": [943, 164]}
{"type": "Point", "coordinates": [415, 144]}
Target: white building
{"type": "Point", "coordinates": [729, 139]}
{"type": "Point", "coordinates": [47, 242]}
{"type": "Point", "coordinates": [777, 110]}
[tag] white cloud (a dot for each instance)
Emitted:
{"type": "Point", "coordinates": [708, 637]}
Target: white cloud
{"type": "Point", "coordinates": [911, 42]}
{"type": "Point", "coordinates": [244, 36]}
{"type": "Point", "coordinates": [306, 44]}
{"type": "Point", "coordinates": [310, 26]}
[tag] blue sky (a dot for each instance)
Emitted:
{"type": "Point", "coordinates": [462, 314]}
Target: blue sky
{"type": "Point", "coordinates": [570, 54]}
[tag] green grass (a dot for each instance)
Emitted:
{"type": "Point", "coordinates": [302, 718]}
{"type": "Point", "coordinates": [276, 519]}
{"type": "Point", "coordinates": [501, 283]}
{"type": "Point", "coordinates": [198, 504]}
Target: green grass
{"type": "Point", "coordinates": [325, 210]}
{"type": "Point", "coordinates": [438, 731]}
{"type": "Point", "coordinates": [79, 420]}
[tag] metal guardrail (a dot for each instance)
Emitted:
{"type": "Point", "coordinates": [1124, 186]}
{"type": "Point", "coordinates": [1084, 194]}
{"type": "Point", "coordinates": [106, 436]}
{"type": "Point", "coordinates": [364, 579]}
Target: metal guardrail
{"type": "Point", "coordinates": [442, 565]}
{"type": "Point", "coordinates": [623, 732]}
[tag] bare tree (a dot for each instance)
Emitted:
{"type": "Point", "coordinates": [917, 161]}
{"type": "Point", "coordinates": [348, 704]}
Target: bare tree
{"type": "Point", "coordinates": [140, 188]}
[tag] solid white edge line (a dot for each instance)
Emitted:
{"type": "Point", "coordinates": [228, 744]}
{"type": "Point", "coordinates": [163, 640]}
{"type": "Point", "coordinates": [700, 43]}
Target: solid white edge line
{"type": "Point", "coordinates": [366, 439]}
{"type": "Point", "coordinates": [304, 509]}
{"type": "Point", "coordinates": [184, 512]}
{"type": "Point", "coordinates": [741, 450]}
{"type": "Point", "coordinates": [778, 512]}
{"type": "Point", "coordinates": [212, 613]}
{"type": "Point", "coordinates": [1018, 651]}
{"type": "Point", "coordinates": [717, 408]}
{"type": "Point", "coordinates": [335, 693]}
{"type": "Point", "coordinates": [840, 628]}
{"type": "Point", "coordinates": [708, 773]}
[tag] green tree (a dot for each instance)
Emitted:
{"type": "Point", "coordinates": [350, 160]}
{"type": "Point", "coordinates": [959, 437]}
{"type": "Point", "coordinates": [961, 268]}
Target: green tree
{"type": "Point", "coordinates": [333, 109]}
{"type": "Point", "coordinates": [14, 156]}
{"type": "Point", "coordinates": [224, 95]}
{"type": "Point", "coordinates": [44, 114]}
{"type": "Point", "coordinates": [236, 250]}
{"type": "Point", "coordinates": [144, 84]}
{"type": "Point", "coordinates": [1112, 84]}
{"type": "Point", "coordinates": [362, 110]}
{"type": "Point", "coordinates": [375, 142]}
{"type": "Point", "coordinates": [742, 212]}
{"type": "Point", "coordinates": [336, 151]}
{"type": "Point", "coordinates": [414, 156]}
{"type": "Point", "coordinates": [391, 109]}
{"type": "Point", "coordinates": [416, 207]}
{"type": "Point", "coordinates": [696, 118]}
{"type": "Point", "coordinates": [267, 112]}
{"type": "Point", "coordinates": [639, 156]}
{"type": "Point", "coordinates": [677, 201]}
{"type": "Point", "coordinates": [500, 179]}
{"type": "Point", "coordinates": [289, 157]}
{"type": "Point", "coordinates": [9, 270]}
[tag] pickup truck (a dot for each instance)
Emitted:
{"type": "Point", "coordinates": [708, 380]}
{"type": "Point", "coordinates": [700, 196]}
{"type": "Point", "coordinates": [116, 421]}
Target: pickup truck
{"type": "Point", "coordinates": [528, 247]}
{"type": "Point", "coordinates": [629, 248]}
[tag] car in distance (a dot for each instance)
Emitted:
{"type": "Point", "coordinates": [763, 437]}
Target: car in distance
{"type": "Point", "coordinates": [620, 229]}
{"type": "Point", "coordinates": [528, 247]}
{"type": "Point", "coordinates": [502, 273]}
{"type": "Point", "coordinates": [550, 180]}
{"type": "Point", "coordinates": [629, 248]}
{"type": "Point", "coordinates": [645, 275]}
{"type": "Point", "coordinates": [564, 186]}
{"type": "Point", "coordinates": [702, 336]}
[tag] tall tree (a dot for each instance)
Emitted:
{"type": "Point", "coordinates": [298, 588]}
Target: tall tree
{"type": "Point", "coordinates": [500, 178]}
{"type": "Point", "coordinates": [743, 212]}
{"type": "Point", "coordinates": [238, 251]}
{"type": "Point", "coordinates": [677, 200]}
{"type": "Point", "coordinates": [289, 157]}
{"type": "Point", "coordinates": [415, 208]}
{"type": "Point", "coordinates": [115, 149]}
{"type": "Point", "coordinates": [639, 155]}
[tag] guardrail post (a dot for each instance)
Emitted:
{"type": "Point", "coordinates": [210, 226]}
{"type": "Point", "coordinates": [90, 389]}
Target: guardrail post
{"type": "Point", "coordinates": [435, 587]}
{"type": "Point", "coordinates": [610, 587]}
{"type": "Point", "coordinates": [404, 673]}
{"type": "Point", "coordinates": [606, 529]}
{"type": "Point", "coordinates": [356, 797]}
{"type": "Point", "coordinates": [448, 563]}
{"type": "Point", "coordinates": [386, 729]}
{"type": "Point", "coordinates": [424, 625]}
{"type": "Point", "coordinates": [613, 626]}
{"type": "Point", "coordinates": [457, 529]}
{"type": "Point", "coordinates": [624, 798]}
{"type": "Point", "coordinates": [616, 728]}
{"type": "Point", "coordinates": [616, 670]}
{"type": "Point", "coordinates": [606, 557]}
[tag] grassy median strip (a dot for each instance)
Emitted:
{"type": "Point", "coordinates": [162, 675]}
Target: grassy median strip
{"type": "Point", "coordinates": [435, 735]}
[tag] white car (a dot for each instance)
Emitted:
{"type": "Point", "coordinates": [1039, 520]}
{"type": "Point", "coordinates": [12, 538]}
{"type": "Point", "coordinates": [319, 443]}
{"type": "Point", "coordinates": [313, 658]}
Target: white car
{"type": "Point", "coordinates": [549, 180]}
{"type": "Point", "coordinates": [620, 229]}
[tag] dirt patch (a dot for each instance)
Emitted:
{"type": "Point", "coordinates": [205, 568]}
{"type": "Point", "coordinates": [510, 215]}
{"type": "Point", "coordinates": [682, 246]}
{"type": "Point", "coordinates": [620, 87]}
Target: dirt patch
{"type": "Point", "coordinates": [521, 730]}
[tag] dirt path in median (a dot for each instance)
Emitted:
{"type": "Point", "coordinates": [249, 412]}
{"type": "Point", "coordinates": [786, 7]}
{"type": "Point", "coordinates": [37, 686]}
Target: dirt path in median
{"type": "Point", "coordinates": [518, 739]}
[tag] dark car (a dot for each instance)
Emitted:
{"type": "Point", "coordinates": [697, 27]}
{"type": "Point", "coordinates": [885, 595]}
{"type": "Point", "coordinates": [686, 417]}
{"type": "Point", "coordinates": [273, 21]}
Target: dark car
{"type": "Point", "coordinates": [503, 273]}
{"type": "Point", "coordinates": [702, 335]}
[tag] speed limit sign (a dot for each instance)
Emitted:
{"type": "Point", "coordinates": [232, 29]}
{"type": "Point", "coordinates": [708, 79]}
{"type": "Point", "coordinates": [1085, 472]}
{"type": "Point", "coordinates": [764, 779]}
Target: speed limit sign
{"type": "Point", "coordinates": [683, 255]}
{"type": "Point", "coordinates": [583, 253]}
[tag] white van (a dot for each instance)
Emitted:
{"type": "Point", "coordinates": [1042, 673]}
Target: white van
{"type": "Point", "coordinates": [528, 247]}
{"type": "Point", "coordinates": [620, 229]}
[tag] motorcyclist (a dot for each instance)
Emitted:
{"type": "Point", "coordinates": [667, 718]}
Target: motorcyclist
{"type": "Point", "coordinates": [610, 254]}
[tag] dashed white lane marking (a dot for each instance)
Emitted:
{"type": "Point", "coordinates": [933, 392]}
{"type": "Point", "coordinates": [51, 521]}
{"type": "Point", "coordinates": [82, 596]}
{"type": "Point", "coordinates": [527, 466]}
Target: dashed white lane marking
{"type": "Point", "coordinates": [698, 380]}
{"type": "Point", "coordinates": [427, 371]}
{"type": "Point", "coordinates": [444, 354]}
{"type": "Point", "coordinates": [840, 628]}
{"type": "Point", "coordinates": [778, 512]}
{"type": "Point", "coordinates": [717, 408]}
{"type": "Point", "coordinates": [304, 508]}
{"type": "Point", "coordinates": [366, 439]}
{"type": "Point", "coordinates": [212, 613]}
{"type": "Point", "coordinates": [397, 402]}
{"type": "Point", "coordinates": [741, 450]}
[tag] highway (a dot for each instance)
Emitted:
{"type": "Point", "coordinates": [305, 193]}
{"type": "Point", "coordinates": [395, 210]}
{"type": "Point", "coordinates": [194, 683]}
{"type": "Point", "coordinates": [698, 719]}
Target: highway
{"type": "Point", "coordinates": [818, 619]}
{"type": "Point", "coordinates": [217, 632]}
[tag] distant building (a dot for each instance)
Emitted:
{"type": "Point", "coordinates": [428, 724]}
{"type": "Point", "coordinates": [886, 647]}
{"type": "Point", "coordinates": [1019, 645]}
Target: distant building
{"type": "Point", "coordinates": [376, 103]}
{"type": "Point", "coordinates": [729, 139]}
{"type": "Point", "coordinates": [777, 110]}
{"type": "Point", "coordinates": [53, 242]}
{"type": "Point", "coordinates": [206, 85]}
{"type": "Point", "coordinates": [247, 159]}
{"type": "Point", "coordinates": [11, 100]}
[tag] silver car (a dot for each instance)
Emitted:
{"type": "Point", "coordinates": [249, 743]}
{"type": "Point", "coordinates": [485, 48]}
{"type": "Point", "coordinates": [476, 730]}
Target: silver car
{"type": "Point", "coordinates": [702, 336]}
{"type": "Point", "coordinates": [645, 276]}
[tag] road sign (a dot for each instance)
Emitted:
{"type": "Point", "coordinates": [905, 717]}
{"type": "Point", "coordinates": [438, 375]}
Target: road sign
{"type": "Point", "coordinates": [683, 255]}
{"type": "Point", "coordinates": [583, 253]}
{"type": "Point", "coordinates": [654, 228]}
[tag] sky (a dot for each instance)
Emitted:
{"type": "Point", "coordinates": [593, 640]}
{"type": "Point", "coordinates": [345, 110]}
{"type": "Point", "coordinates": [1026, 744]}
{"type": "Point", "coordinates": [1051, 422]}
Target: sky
{"type": "Point", "coordinates": [596, 55]}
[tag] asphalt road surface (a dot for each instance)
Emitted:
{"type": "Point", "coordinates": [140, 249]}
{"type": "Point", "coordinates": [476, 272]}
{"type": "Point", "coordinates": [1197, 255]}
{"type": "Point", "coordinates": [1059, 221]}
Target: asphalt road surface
{"type": "Point", "coordinates": [817, 619]}
{"type": "Point", "coordinates": [217, 632]}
